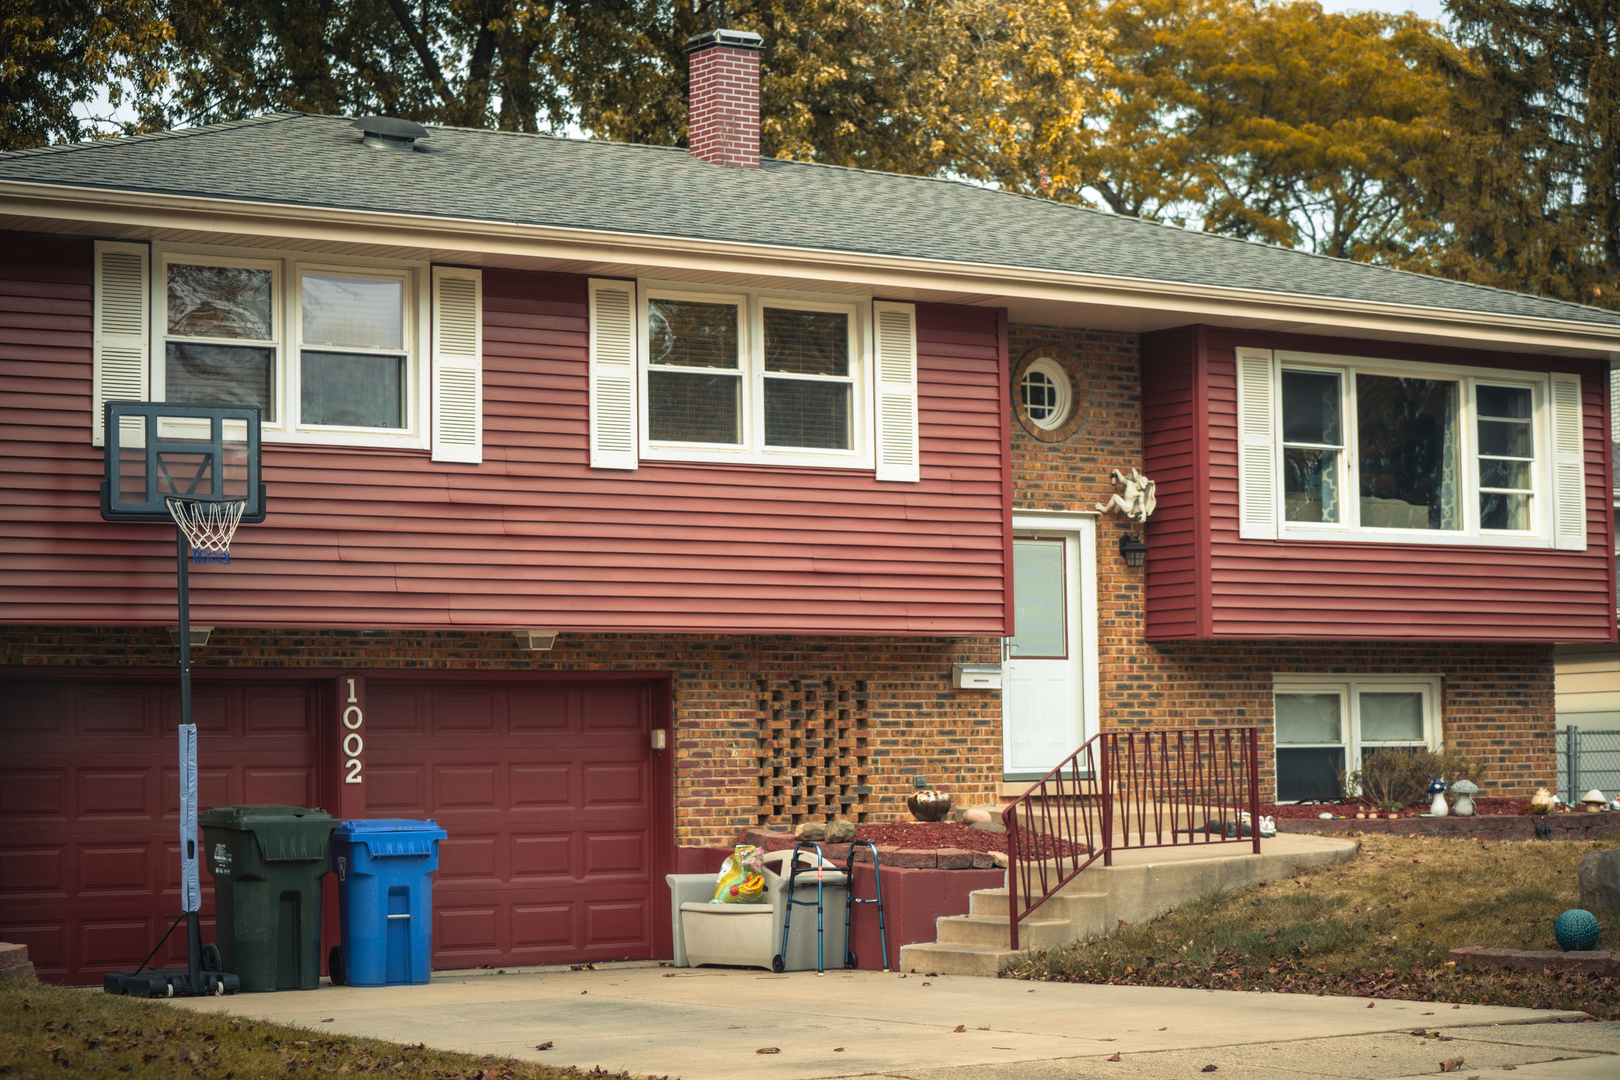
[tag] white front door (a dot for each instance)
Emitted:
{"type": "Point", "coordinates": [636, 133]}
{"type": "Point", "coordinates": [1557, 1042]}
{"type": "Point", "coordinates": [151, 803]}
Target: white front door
{"type": "Point", "coordinates": [1043, 704]}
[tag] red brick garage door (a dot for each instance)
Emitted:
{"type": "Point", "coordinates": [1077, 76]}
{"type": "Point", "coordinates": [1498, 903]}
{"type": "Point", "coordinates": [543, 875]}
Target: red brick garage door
{"type": "Point", "coordinates": [546, 791]}
{"type": "Point", "coordinates": [89, 804]}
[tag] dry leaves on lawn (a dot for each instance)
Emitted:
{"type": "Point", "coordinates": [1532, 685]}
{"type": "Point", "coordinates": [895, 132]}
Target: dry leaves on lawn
{"type": "Point", "coordinates": [1112, 1057]}
{"type": "Point", "coordinates": [1451, 1064]}
{"type": "Point", "coordinates": [769, 1050]}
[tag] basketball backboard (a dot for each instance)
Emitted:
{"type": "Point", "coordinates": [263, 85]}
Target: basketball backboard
{"type": "Point", "coordinates": [198, 453]}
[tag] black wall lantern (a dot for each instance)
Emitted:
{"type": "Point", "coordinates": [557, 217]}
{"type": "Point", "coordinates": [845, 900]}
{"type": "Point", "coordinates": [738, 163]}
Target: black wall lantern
{"type": "Point", "coordinates": [1134, 551]}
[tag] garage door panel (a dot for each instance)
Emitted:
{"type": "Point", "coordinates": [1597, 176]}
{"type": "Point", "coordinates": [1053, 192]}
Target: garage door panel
{"type": "Point", "coordinates": [469, 856]}
{"type": "Point", "coordinates": [545, 926]}
{"type": "Point", "coordinates": [615, 784]}
{"type": "Point", "coordinates": [396, 790]}
{"type": "Point", "coordinates": [611, 709]}
{"type": "Point", "coordinates": [539, 712]}
{"type": "Point", "coordinates": [36, 870]}
{"type": "Point", "coordinates": [277, 715]}
{"type": "Point", "coordinates": [100, 813]}
{"type": "Point", "coordinates": [117, 792]}
{"type": "Point", "coordinates": [116, 868]}
{"type": "Point", "coordinates": [548, 811]}
{"type": "Point", "coordinates": [543, 855]}
{"type": "Point", "coordinates": [110, 713]}
{"type": "Point", "coordinates": [33, 793]}
{"type": "Point", "coordinates": [290, 787]}
{"type": "Point", "coordinates": [610, 922]}
{"type": "Point", "coordinates": [542, 786]}
{"type": "Point", "coordinates": [466, 927]}
{"type": "Point", "coordinates": [459, 712]}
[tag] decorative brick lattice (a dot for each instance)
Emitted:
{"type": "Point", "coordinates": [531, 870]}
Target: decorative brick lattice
{"type": "Point", "coordinates": [814, 761]}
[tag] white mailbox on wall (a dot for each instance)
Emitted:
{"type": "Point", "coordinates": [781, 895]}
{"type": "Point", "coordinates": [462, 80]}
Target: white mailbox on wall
{"type": "Point", "coordinates": [976, 676]}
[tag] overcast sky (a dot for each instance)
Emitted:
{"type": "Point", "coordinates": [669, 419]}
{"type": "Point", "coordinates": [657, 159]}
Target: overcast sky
{"type": "Point", "coordinates": [1429, 9]}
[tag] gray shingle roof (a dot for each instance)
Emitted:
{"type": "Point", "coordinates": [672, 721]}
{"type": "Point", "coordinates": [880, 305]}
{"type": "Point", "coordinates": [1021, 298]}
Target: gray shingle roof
{"type": "Point", "coordinates": [482, 175]}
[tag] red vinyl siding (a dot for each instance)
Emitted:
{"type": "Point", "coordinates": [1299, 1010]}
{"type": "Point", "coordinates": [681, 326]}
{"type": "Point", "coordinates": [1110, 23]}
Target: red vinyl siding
{"type": "Point", "coordinates": [1301, 589]}
{"type": "Point", "coordinates": [532, 537]}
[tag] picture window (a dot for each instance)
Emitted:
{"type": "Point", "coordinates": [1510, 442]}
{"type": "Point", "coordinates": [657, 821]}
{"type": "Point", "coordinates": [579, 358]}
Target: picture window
{"type": "Point", "coordinates": [1326, 728]}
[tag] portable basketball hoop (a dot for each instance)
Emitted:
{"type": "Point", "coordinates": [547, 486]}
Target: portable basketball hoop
{"type": "Point", "coordinates": [197, 466]}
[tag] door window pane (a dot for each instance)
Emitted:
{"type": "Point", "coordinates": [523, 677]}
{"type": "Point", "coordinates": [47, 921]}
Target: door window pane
{"type": "Point", "coordinates": [198, 374]}
{"type": "Point", "coordinates": [1407, 446]}
{"type": "Point", "coordinates": [1038, 605]}
{"type": "Point", "coordinates": [1391, 717]}
{"type": "Point", "coordinates": [359, 313]}
{"type": "Point", "coordinates": [219, 302]}
{"type": "Point", "coordinates": [352, 389]}
{"type": "Point", "coordinates": [1309, 718]}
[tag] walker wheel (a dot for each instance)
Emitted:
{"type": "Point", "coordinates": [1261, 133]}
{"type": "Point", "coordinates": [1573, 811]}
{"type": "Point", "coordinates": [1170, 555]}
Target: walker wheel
{"type": "Point", "coordinates": [851, 961]}
{"type": "Point", "coordinates": [778, 963]}
{"type": "Point", "coordinates": [334, 966]}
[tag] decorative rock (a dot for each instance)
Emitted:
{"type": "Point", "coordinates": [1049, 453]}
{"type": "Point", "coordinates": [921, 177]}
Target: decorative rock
{"type": "Point", "coordinates": [811, 830]}
{"type": "Point", "coordinates": [1576, 930]}
{"type": "Point", "coordinates": [991, 826]}
{"type": "Point", "coordinates": [14, 962]}
{"type": "Point", "coordinates": [975, 815]}
{"type": "Point", "coordinates": [1600, 880]}
{"type": "Point", "coordinates": [840, 831]}
{"type": "Point", "coordinates": [999, 858]}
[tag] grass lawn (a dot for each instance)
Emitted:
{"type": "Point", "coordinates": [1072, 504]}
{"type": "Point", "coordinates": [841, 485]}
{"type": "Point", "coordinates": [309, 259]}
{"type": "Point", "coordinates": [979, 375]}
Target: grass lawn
{"type": "Point", "coordinates": [1380, 925]}
{"type": "Point", "coordinates": [53, 1031]}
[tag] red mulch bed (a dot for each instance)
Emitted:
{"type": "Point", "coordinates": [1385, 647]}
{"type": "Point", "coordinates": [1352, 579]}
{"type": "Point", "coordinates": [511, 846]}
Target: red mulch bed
{"type": "Point", "coordinates": [931, 835]}
{"type": "Point", "coordinates": [1316, 810]}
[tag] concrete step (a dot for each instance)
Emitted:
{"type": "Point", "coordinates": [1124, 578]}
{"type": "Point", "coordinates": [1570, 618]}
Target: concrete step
{"type": "Point", "coordinates": [1074, 897]}
{"type": "Point", "coordinates": [933, 958]}
{"type": "Point", "coordinates": [994, 930]}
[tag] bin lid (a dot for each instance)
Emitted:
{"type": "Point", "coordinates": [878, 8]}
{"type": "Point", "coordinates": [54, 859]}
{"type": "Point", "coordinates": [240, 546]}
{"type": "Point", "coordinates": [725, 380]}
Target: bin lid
{"type": "Point", "coordinates": [392, 836]}
{"type": "Point", "coordinates": [284, 833]}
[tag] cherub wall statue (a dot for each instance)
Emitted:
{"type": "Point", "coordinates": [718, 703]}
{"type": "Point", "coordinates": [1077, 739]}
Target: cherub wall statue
{"type": "Point", "coordinates": [1135, 499]}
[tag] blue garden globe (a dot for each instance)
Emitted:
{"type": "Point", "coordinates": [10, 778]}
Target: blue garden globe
{"type": "Point", "coordinates": [1576, 929]}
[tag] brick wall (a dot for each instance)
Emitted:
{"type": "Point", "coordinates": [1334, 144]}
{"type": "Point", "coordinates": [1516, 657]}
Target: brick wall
{"type": "Point", "coordinates": [1497, 699]}
{"type": "Point", "coordinates": [732, 768]}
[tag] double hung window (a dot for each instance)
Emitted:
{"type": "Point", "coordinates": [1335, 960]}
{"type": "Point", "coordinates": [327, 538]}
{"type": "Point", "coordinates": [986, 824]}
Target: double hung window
{"type": "Point", "coordinates": [1326, 727]}
{"type": "Point", "coordinates": [1351, 449]}
{"type": "Point", "coordinates": [754, 378]}
{"type": "Point", "coordinates": [379, 353]}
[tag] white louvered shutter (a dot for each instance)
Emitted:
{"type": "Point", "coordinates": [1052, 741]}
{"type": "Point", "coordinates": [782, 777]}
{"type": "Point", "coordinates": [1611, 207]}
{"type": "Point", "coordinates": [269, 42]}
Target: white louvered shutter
{"type": "Point", "coordinates": [1257, 445]}
{"type": "Point", "coordinates": [1569, 465]}
{"type": "Point", "coordinates": [613, 375]}
{"type": "Point", "coordinates": [894, 336]}
{"type": "Point", "coordinates": [458, 379]}
{"type": "Point", "coordinates": [122, 329]}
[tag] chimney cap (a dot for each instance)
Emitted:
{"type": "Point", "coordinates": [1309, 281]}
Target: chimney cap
{"type": "Point", "coordinates": [736, 39]}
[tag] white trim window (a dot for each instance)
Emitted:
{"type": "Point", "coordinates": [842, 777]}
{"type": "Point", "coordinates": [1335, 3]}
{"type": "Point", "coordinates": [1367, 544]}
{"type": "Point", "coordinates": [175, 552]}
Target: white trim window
{"type": "Point", "coordinates": [1335, 448]}
{"type": "Point", "coordinates": [1046, 393]}
{"type": "Point", "coordinates": [775, 378]}
{"type": "Point", "coordinates": [752, 377]}
{"type": "Point", "coordinates": [1325, 726]}
{"type": "Point", "coordinates": [333, 352]}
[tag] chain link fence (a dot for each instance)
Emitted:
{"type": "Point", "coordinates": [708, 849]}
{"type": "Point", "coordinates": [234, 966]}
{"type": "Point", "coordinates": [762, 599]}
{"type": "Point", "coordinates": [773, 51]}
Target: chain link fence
{"type": "Point", "coordinates": [1588, 759]}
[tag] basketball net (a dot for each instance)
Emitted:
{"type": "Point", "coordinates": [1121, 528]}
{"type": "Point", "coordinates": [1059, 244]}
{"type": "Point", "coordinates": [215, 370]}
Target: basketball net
{"type": "Point", "coordinates": [208, 526]}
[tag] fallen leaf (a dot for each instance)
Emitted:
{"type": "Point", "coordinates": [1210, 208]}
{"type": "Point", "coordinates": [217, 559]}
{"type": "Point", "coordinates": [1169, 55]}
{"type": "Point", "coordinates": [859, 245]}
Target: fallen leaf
{"type": "Point", "coordinates": [329, 1019]}
{"type": "Point", "coordinates": [1112, 1057]}
{"type": "Point", "coordinates": [769, 1050]}
{"type": "Point", "coordinates": [838, 1049]}
{"type": "Point", "coordinates": [1207, 1068]}
{"type": "Point", "coordinates": [1419, 1031]}
{"type": "Point", "coordinates": [960, 1027]}
{"type": "Point", "coordinates": [1509, 1068]}
{"type": "Point", "coordinates": [1164, 1029]}
{"type": "Point", "coordinates": [928, 984]}
{"type": "Point", "coordinates": [931, 974]}
{"type": "Point", "coordinates": [584, 991]}
{"type": "Point", "coordinates": [543, 1046]}
{"type": "Point", "coordinates": [1451, 1064]}
{"type": "Point", "coordinates": [1456, 1006]}
{"type": "Point", "coordinates": [586, 967]}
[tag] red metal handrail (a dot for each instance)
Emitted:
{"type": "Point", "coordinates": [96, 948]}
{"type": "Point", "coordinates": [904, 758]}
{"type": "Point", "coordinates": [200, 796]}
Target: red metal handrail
{"type": "Point", "coordinates": [1120, 788]}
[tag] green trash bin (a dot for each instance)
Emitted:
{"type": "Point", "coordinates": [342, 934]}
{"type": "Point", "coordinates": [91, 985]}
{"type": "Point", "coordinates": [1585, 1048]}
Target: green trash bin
{"type": "Point", "coordinates": [267, 863]}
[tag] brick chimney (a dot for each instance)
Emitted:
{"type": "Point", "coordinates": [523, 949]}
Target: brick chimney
{"type": "Point", "coordinates": [722, 116]}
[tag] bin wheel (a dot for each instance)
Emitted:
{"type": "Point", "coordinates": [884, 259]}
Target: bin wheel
{"type": "Point", "coordinates": [334, 966]}
{"type": "Point", "coordinates": [778, 963]}
{"type": "Point", "coordinates": [211, 960]}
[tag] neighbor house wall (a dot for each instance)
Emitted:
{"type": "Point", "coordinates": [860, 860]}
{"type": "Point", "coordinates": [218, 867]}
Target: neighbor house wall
{"type": "Point", "coordinates": [1497, 697]}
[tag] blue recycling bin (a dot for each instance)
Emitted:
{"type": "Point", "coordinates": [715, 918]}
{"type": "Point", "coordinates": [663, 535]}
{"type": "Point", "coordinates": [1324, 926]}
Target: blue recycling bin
{"type": "Point", "coordinates": [385, 901]}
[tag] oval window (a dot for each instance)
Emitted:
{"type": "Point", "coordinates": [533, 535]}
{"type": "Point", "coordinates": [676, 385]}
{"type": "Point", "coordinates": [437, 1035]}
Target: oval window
{"type": "Point", "coordinates": [1045, 393]}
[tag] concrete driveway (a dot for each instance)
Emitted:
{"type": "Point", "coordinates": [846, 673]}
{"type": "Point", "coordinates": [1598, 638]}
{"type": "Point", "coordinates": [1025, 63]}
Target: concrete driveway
{"type": "Point", "coordinates": [710, 1023]}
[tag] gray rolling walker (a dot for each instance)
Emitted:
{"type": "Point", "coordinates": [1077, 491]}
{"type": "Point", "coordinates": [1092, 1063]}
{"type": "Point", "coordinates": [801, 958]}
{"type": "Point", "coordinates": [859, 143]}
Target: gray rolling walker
{"type": "Point", "coordinates": [779, 961]}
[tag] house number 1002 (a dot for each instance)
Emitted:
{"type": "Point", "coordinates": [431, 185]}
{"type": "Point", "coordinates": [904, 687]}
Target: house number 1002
{"type": "Point", "coordinates": [352, 742]}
